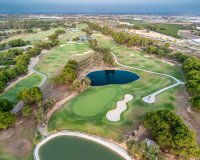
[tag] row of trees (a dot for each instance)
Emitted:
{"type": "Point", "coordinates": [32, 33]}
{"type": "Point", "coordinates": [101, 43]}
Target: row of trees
{"type": "Point", "coordinates": [122, 37]}
{"type": "Point", "coordinates": [106, 52]}
{"type": "Point", "coordinates": [69, 73]}
{"type": "Point", "coordinates": [13, 43]}
{"type": "Point", "coordinates": [18, 43]}
{"type": "Point", "coordinates": [53, 41]}
{"type": "Point", "coordinates": [30, 24]}
{"type": "Point", "coordinates": [21, 60]}
{"type": "Point", "coordinates": [171, 134]}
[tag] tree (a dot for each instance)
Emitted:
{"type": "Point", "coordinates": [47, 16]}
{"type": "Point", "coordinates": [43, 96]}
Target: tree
{"type": "Point", "coordinates": [17, 43]}
{"type": "Point", "coordinates": [5, 105]}
{"type": "Point", "coordinates": [30, 96]}
{"type": "Point", "coordinates": [81, 85]}
{"type": "Point", "coordinates": [196, 103]}
{"type": "Point", "coordinates": [34, 51]}
{"type": "Point", "coordinates": [77, 85]}
{"type": "Point", "coordinates": [6, 119]}
{"type": "Point", "coordinates": [26, 111]}
{"type": "Point", "coordinates": [172, 134]}
{"type": "Point", "coordinates": [143, 151]}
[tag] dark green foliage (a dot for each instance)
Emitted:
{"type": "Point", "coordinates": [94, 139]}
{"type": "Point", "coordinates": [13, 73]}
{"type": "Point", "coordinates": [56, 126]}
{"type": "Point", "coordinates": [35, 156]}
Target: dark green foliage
{"type": "Point", "coordinates": [5, 105]}
{"type": "Point", "coordinates": [2, 46]}
{"type": "Point", "coordinates": [34, 52]}
{"type": "Point", "coordinates": [60, 31]}
{"type": "Point", "coordinates": [196, 103]}
{"type": "Point", "coordinates": [191, 66]}
{"type": "Point", "coordinates": [30, 96]}
{"type": "Point", "coordinates": [68, 74]}
{"type": "Point", "coordinates": [172, 134]}
{"type": "Point", "coordinates": [6, 119]}
{"type": "Point", "coordinates": [180, 56]}
{"type": "Point", "coordinates": [17, 43]}
{"type": "Point", "coordinates": [88, 31]}
{"type": "Point", "coordinates": [26, 111]}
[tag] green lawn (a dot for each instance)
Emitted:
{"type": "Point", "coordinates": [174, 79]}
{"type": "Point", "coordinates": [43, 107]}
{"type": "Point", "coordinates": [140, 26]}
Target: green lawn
{"type": "Point", "coordinates": [54, 60]}
{"type": "Point", "coordinates": [133, 58]}
{"type": "Point", "coordinates": [33, 37]}
{"type": "Point", "coordinates": [31, 81]}
{"type": "Point", "coordinates": [91, 104]}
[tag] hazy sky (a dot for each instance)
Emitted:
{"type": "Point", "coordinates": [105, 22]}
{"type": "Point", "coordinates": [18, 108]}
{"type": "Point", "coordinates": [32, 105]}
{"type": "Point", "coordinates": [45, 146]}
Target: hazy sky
{"type": "Point", "coordinates": [100, 6]}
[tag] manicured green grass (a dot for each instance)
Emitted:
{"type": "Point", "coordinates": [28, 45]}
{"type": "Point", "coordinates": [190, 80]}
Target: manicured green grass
{"type": "Point", "coordinates": [94, 101]}
{"type": "Point", "coordinates": [133, 58]}
{"type": "Point", "coordinates": [52, 62]}
{"type": "Point", "coordinates": [33, 37]}
{"type": "Point", "coordinates": [31, 81]}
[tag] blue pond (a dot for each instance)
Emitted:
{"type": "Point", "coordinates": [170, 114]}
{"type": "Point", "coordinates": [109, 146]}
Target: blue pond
{"type": "Point", "coordinates": [105, 77]}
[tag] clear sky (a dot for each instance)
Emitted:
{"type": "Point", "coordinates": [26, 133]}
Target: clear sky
{"type": "Point", "coordinates": [101, 6]}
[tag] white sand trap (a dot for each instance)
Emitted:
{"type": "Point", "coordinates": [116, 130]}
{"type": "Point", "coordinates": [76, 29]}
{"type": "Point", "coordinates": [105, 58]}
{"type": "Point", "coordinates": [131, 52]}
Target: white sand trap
{"type": "Point", "coordinates": [168, 62]}
{"type": "Point", "coordinates": [62, 45]}
{"type": "Point", "coordinates": [115, 114]}
{"type": "Point", "coordinates": [131, 55]}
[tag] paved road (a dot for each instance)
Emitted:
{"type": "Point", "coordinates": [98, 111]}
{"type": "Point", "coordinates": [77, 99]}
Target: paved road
{"type": "Point", "coordinates": [152, 97]}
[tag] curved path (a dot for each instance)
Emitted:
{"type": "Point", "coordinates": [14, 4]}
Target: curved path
{"type": "Point", "coordinates": [152, 97]}
{"type": "Point", "coordinates": [114, 147]}
{"type": "Point", "coordinates": [31, 70]}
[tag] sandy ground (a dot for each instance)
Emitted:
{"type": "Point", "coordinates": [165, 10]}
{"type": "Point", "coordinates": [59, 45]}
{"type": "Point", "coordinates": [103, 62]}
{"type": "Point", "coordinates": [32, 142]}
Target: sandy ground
{"type": "Point", "coordinates": [115, 114]}
{"type": "Point", "coordinates": [114, 147]}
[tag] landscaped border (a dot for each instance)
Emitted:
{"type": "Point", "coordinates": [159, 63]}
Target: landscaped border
{"type": "Point", "coordinates": [114, 147]}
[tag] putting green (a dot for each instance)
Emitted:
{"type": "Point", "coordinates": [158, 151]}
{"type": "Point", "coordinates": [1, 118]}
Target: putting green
{"type": "Point", "coordinates": [94, 102]}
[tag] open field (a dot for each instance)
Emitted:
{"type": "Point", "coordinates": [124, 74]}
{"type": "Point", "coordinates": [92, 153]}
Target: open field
{"type": "Point", "coordinates": [31, 81]}
{"type": "Point", "coordinates": [164, 28]}
{"type": "Point", "coordinates": [33, 37]}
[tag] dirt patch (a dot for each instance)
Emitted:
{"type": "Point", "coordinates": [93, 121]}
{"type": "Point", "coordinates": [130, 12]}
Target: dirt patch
{"type": "Point", "coordinates": [20, 143]}
{"type": "Point", "coordinates": [191, 119]}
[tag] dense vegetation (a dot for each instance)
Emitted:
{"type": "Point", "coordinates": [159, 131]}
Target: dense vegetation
{"type": "Point", "coordinates": [144, 150]}
{"type": "Point", "coordinates": [172, 134]}
{"type": "Point", "coordinates": [30, 96]}
{"type": "Point", "coordinates": [81, 85]}
{"type": "Point", "coordinates": [105, 52]}
{"type": "Point", "coordinates": [69, 73]}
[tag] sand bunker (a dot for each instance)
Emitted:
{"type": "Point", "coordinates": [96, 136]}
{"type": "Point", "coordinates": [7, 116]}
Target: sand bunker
{"type": "Point", "coordinates": [115, 114]}
{"type": "Point", "coordinates": [62, 45]}
{"type": "Point", "coordinates": [168, 62]}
